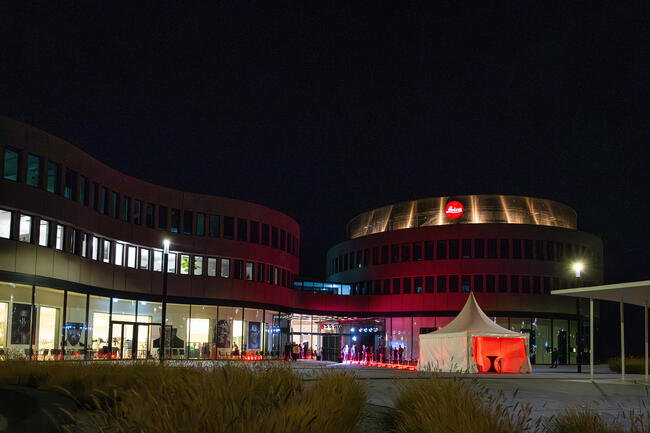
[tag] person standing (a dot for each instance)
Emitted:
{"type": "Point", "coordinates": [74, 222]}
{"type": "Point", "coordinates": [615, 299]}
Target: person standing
{"type": "Point", "coordinates": [394, 354]}
{"type": "Point", "coordinates": [400, 353]}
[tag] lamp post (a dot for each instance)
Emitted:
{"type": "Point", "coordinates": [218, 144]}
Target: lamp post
{"type": "Point", "coordinates": [578, 267]}
{"type": "Point", "coordinates": [164, 300]}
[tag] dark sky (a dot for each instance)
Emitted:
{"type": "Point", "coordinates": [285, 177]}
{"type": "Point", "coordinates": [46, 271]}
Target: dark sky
{"type": "Point", "coordinates": [325, 112]}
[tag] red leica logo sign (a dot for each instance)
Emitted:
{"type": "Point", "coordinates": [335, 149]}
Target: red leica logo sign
{"type": "Point", "coordinates": [454, 209]}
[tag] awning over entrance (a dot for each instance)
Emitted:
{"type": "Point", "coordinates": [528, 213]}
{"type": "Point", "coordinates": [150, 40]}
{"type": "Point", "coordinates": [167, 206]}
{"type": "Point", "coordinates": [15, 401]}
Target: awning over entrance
{"type": "Point", "coordinates": [636, 293]}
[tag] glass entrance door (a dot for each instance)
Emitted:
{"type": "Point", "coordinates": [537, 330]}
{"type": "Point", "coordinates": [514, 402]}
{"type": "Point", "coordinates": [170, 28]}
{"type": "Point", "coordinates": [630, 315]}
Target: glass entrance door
{"type": "Point", "coordinates": [122, 340]}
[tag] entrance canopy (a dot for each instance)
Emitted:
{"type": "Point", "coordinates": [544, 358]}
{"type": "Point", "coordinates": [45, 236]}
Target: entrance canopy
{"type": "Point", "coordinates": [473, 343]}
{"type": "Point", "coordinates": [636, 293]}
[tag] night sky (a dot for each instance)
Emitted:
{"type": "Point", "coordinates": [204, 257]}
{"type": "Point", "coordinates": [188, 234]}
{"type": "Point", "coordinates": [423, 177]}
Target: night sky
{"type": "Point", "coordinates": [325, 112]}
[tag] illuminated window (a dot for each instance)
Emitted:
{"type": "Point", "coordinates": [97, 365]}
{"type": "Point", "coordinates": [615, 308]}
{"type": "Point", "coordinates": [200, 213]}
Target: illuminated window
{"type": "Point", "coordinates": [60, 236]}
{"type": "Point", "coordinates": [25, 228]}
{"type": "Point", "coordinates": [119, 254]}
{"type": "Point", "coordinates": [94, 253]}
{"type": "Point", "coordinates": [106, 257]}
{"type": "Point", "coordinates": [185, 264]}
{"type": "Point", "coordinates": [249, 271]}
{"type": "Point", "coordinates": [225, 268]}
{"type": "Point", "coordinates": [212, 267]}
{"type": "Point", "coordinates": [198, 265]}
{"type": "Point", "coordinates": [84, 245]}
{"type": "Point", "coordinates": [44, 233]}
{"type": "Point", "coordinates": [33, 175]}
{"type": "Point", "coordinates": [11, 165]}
{"type": "Point", "coordinates": [131, 256]}
{"type": "Point", "coordinates": [157, 260]}
{"type": "Point", "coordinates": [200, 224]}
{"type": "Point", "coordinates": [144, 258]}
{"type": "Point", "coordinates": [5, 224]}
{"type": "Point", "coordinates": [171, 263]}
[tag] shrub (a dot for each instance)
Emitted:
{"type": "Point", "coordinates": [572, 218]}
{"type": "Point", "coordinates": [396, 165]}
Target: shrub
{"type": "Point", "coordinates": [633, 365]}
{"type": "Point", "coordinates": [456, 405]}
{"type": "Point", "coordinates": [586, 420]}
{"type": "Point", "coordinates": [232, 398]}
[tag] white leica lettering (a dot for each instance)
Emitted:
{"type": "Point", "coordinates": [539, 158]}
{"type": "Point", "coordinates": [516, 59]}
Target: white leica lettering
{"type": "Point", "coordinates": [452, 209]}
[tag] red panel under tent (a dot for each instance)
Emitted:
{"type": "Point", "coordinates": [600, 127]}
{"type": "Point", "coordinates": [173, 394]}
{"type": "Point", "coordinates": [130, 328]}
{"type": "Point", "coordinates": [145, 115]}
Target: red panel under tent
{"type": "Point", "coordinates": [499, 355]}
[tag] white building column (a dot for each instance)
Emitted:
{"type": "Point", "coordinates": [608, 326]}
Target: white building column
{"type": "Point", "coordinates": [591, 338]}
{"type": "Point", "coordinates": [622, 342]}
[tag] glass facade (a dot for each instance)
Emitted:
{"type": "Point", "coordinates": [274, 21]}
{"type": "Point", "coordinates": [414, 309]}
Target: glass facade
{"type": "Point", "coordinates": [60, 324]}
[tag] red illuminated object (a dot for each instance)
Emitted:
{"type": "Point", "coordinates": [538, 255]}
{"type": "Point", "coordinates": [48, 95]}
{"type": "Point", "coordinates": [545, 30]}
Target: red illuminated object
{"type": "Point", "coordinates": [454, 209]}
{"type": "Point", "coordinates": [509, 354]}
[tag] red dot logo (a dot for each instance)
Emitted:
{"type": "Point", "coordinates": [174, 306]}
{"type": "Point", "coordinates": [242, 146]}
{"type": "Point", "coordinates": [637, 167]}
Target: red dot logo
{"type": "Point", "coordinates": [454, 210]}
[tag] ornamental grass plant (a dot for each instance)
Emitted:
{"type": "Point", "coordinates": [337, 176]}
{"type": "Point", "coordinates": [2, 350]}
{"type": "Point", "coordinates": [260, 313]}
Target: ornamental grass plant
{"type": "Point", "coordinates": [455, 405]}
{"type": "Point", "coordinates": [586, 420]}
{"type": "Point", "coordinates": [232, 398]}
{"type": "Point", "coordinates": [633, 365]}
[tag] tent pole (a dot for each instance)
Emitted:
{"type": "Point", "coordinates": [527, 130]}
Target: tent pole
{"type": "Point", "coordinates": [591, 338]}
{"type": "Point", "coordinates": [622, 342]}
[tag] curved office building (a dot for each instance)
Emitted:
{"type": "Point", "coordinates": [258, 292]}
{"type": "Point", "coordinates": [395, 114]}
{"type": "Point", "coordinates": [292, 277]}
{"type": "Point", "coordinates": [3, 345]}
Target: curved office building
{"type": "Point", "coordinates": [81, 261]}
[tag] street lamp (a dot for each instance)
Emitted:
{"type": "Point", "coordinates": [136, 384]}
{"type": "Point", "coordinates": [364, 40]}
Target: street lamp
{"type": "Point", "coordinates": [578, 267]}
{"type": "Point", "coordinates": [164, 299]}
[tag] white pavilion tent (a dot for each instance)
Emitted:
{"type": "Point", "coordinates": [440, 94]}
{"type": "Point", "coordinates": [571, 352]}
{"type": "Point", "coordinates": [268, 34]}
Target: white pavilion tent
{"type": "Point", "coordinates": [472, 343]}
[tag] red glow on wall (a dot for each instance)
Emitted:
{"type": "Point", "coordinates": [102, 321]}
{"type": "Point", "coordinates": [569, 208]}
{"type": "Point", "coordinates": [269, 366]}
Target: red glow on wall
{"type": "Point", "coordinates": [509, 354]}
{"type": "Point", "coordinates": [454, 209]}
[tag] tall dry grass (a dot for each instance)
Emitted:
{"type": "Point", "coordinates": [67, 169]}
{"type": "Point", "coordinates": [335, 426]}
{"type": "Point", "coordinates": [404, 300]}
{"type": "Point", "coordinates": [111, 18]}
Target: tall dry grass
{"type": "Point", "coordinates": [633, 365]}
{"type": "Point", "coordinates": [586, 420]}
{"type": "Point", "coordinates": [446, 405]}
{"type": "Point", "coordinates": [233, 398]}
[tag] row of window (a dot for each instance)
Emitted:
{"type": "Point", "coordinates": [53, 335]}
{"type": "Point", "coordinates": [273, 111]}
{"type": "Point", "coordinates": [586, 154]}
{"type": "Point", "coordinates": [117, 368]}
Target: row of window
{"type": "Point", "coordinates": [49, 176]}
{"type": "Point", "coordinates": [460, 283]}
{"type": "Point", "coordinates": [445, 249]}
{"type": "Point", "coordinates": [54, 235]}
